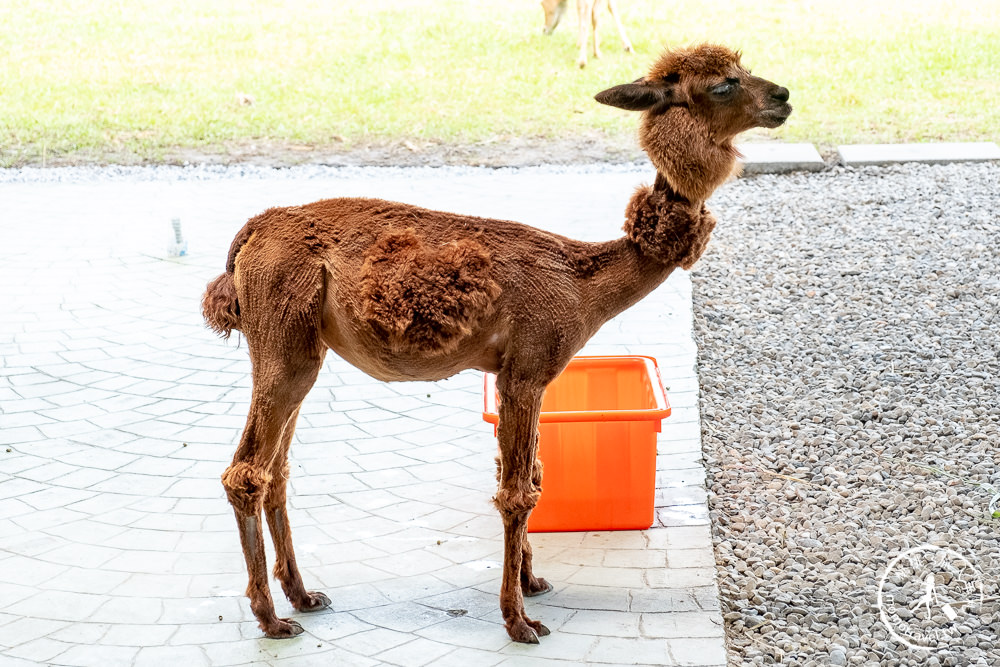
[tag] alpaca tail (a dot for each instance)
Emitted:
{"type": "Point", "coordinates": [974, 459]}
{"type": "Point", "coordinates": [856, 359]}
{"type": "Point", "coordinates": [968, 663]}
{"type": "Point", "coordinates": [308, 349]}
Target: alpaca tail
{"type": "Point", "coordinates": [219, 305]}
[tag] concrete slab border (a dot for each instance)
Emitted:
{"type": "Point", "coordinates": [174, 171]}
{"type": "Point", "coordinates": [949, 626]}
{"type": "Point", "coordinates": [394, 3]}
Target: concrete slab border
{"type": "Point", "coordinates": [781, 158]}
{"type": "Point", "coordinates": [928, 153]}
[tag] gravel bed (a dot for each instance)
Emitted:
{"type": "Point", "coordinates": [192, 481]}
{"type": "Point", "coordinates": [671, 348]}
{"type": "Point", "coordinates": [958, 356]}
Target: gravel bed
{"type": "Point", "coordinates": [848, 325]}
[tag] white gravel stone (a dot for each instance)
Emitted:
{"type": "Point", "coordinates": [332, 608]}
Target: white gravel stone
{"type": "Point", "coordinates": [848, 325]}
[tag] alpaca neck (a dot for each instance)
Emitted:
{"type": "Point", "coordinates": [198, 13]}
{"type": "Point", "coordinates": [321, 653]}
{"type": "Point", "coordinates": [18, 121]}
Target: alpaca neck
{"type": "Point", "coordinates": [623, 275]}
{"type": "Point", "coordinates": [687, 153]}
{"type": "Point", "coordinates": [615, 275]}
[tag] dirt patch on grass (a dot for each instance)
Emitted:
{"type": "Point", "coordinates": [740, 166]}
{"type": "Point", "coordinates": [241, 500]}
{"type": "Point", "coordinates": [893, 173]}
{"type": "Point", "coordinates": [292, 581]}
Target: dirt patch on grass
{"type": "Point", "coordinates": [499, 152]}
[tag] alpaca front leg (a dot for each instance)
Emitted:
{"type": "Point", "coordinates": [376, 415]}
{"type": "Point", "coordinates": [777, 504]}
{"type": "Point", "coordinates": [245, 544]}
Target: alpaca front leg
{"type": "Point", "coordinates": [520, 628]}
{"type": "Point", "coordinates": [531, 585]}
{"type": "Point", "coordinates": [517, 495]}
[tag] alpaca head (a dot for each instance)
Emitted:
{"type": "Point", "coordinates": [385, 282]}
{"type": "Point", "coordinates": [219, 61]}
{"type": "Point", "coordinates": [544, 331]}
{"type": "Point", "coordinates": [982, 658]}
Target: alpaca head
{"type": "Point", "coordinates": [694, 102]}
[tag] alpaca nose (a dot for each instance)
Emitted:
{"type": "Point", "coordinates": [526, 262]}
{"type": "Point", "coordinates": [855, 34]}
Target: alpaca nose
{"type": "Point", "coordinates": [780, 94]}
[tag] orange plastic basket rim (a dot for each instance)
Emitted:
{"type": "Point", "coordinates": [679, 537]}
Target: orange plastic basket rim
{"type": "Point", "coordinates": [491, 412]}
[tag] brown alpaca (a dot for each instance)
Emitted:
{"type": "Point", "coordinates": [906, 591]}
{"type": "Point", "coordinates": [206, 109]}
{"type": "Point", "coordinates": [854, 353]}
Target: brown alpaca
{"type": "Point", "coordinates": [406, 293]}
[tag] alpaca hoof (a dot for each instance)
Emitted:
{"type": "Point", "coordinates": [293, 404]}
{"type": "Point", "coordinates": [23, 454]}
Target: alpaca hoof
{"type": "Point", "coordinates": [539, 629]}
{"type": "Point", "coordinates": [315, 602]}
{"type": "Point", "coordinates": [540, 588]}
{"type": "Point", "coordinates": [628, 49]}
{"type": "Point", "coordinates": [523, 633]}
{"type": "Point", "coordinates": [284, 628]}
{"type": "Point", "coordinates": [581, 63]}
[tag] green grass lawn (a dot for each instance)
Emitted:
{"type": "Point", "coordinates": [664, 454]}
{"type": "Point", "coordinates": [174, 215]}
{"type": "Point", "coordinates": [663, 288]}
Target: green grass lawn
{"type": "Point", "coordinates": [110, 78]}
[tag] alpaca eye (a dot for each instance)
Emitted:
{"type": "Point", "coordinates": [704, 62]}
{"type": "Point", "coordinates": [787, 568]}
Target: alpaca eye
{"type": "Point", "coordinates": [724, 89]}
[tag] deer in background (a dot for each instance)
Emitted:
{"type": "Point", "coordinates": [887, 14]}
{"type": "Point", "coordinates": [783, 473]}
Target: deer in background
{"type": "Point", "coordinates": [588, 13]}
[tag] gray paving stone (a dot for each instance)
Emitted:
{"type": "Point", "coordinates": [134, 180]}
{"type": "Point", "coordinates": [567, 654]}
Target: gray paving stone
{"type": "Point", "coordinates": [244, 652]}
{"type": "Point", "coordinates": [206, 634]}
{"type": "Point", "coordinates": [467, 632]}
{"type": "Point", "coordinates": [402, 616]}
{"type": "Point", "coordinates": [682, 515]}
{"type": "Point", "coordinates": [681, 496]}
{"type": "Point", "coordinates": [170, 656]}
{"type": "Point", "coordinates": [59, 605]}
{"type": "Point", "coordinates": [83, 555]}
{"type": "Point", "coordinates": [325, 657]}
{"type": "Point", "coordinates": [87, 580]}
{"type": "Point", "coordinates": [578, 596]}
{"type": "Point", "coordinates": [31, 543]}
{"type": "Point", "coordinates": [333, 626]}
{"type": "Point", "coordinates": [931, 153]}
{"type": "Point", "coordinates": [616, 577]}
{"type": "Point", "coordinates": [681, 624]}
{"type": "Point", "coordinates": [630, 651]}
{"type": "Point", "coordinates": [127, 634]}
{"type": "Point", "coordinates": [55, 497]}
{"type": "Point", "coordinates": [416, 653]}
{"type": "Point", "coordinates": [697, 651]}
{"type": "Point", "coordinates": [390, 491]}
{"type": "Point", "coordinates": [664, 600]}
{"type": "Point", "coordinates": [602, 624]}
{"type": "Point", "coordinates": [372, 642]}
{"type": "Point", "coordinates": [26, 629]}
{"type": "Point", "coordinates": [463, 657]}
{"type": "Point", "coordinates": [20, 434]}
{"type": "Point", "coordinates": [34, 652]}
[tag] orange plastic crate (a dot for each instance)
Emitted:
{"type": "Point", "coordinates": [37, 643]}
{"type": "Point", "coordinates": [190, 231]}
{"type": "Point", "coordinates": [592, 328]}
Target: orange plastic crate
{"type": "Point", "coordinates": [597, 441]}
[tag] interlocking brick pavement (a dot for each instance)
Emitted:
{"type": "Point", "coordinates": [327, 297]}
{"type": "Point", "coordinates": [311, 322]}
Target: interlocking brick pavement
{"type": "Point", "coordinates": [120, 411]}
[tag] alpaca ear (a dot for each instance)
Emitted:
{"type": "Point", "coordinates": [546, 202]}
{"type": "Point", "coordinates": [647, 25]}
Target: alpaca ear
{"type": "Point", "coordinates": [639, 95]}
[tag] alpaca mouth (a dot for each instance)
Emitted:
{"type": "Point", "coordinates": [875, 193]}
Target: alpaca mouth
{"type": "Point", "coordinates": [772, 118]}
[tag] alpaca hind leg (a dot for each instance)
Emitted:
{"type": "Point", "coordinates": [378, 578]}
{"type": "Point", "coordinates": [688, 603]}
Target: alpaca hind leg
{"type": "Point", "coordinates": [279, 385]}
{"type": "Point", "coordinates": [286, 570]}
{"type": "Point", "coordinates": [516, 496]}
{"type": "Point", "coordinates": [244, 485]}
